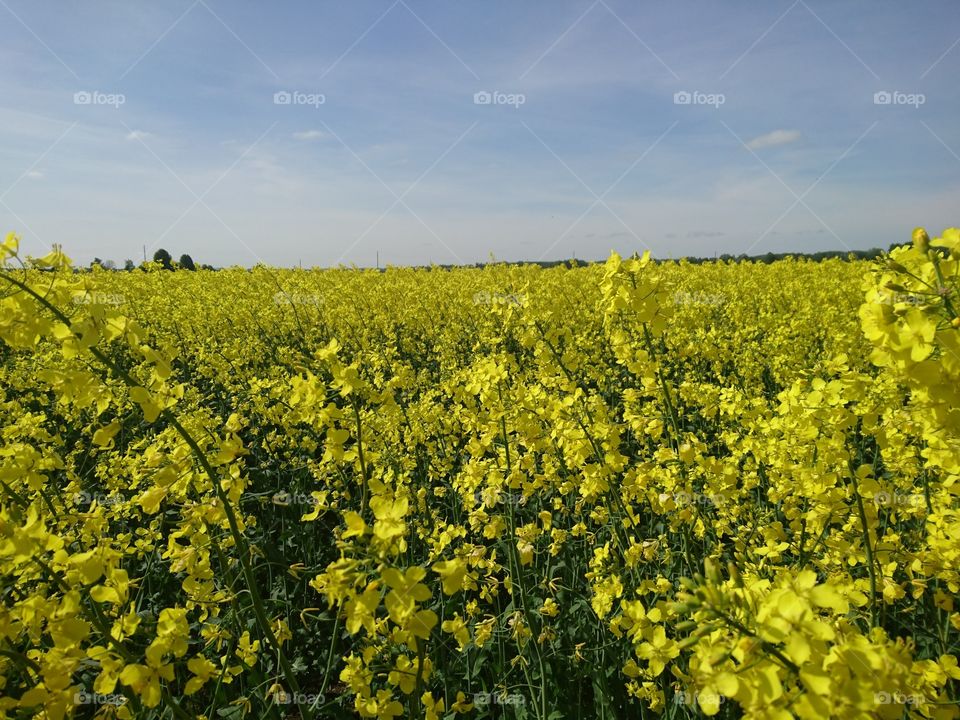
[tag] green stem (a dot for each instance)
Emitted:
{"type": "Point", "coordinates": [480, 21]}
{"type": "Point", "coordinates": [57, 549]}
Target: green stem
{"type": "Point", "coordinates": [363, 463]}
{"type": "Point", "coordinates": [868, 548]}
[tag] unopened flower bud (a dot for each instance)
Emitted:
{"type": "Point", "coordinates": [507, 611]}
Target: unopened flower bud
{"type": "Point", "coordinates": [735, 575]}
{"type": "Point", "coordinates": [711, 571]}
{"type": "Point", "coordinates": [921, 241]}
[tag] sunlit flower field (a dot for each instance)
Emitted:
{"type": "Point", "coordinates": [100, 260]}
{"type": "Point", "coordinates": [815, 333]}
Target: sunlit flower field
{"type": "Point", "coordinates": [626, 490]}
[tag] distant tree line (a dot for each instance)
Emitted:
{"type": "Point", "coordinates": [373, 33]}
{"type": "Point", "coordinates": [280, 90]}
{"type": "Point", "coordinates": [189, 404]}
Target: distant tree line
{"type": "Point", "coordinates": [766, 258]}
{"type": "Point", "coordinates": [161, 256]}
{"type": "Point", "coordinates": [186, 262]}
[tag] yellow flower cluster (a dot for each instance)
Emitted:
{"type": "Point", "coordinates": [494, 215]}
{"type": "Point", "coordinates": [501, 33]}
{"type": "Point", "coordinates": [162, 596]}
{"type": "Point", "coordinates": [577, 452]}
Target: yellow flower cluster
{"type": "Point", "coordinates": [618, 490]}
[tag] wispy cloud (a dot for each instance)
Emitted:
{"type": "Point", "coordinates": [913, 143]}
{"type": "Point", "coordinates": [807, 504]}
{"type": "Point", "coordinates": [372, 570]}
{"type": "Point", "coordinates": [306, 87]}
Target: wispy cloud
{"type": "Point", "coordinates": [309, 135]}
{"type": "Point", "coordinates": [137, 135]}
{"type": "Point", "coordinates": [772, 139]}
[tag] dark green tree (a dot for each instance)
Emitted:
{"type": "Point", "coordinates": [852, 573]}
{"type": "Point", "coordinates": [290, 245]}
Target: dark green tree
{"type": "Point", "coordinates": [186, 262]}
{"type": "Point", "coordinates": [163, 257]}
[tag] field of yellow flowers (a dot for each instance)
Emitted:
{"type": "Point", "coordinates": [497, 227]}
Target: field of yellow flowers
{"type": "Point", "coordinates": [628, 490]}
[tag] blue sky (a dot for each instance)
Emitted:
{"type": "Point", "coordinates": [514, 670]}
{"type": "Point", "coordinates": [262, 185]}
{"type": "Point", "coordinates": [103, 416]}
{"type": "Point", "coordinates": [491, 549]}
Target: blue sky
{"type": "Point", "coordinates": [131, 124]}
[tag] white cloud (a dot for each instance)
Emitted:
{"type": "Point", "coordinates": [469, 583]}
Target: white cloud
{"type": "Point", "coordinates": [309, 135]}
{"type": "Point", "coordinates": [35, 175]}
{"type": "Point", "coordinates": [772, 139]}
{"type": "Point", "coordinates": [137, 135]}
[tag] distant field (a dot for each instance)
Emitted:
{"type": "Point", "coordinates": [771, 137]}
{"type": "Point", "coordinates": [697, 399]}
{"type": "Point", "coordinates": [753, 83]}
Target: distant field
{"type": "Point", "coordinates": [616, 491]}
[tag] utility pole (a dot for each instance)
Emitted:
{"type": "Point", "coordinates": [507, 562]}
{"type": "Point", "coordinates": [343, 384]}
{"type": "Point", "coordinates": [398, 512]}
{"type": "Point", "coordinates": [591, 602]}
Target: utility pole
{"type": "Point", "coordinates": [144, 253]}
{"type": "Point", "coordinates": [378, 259]}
